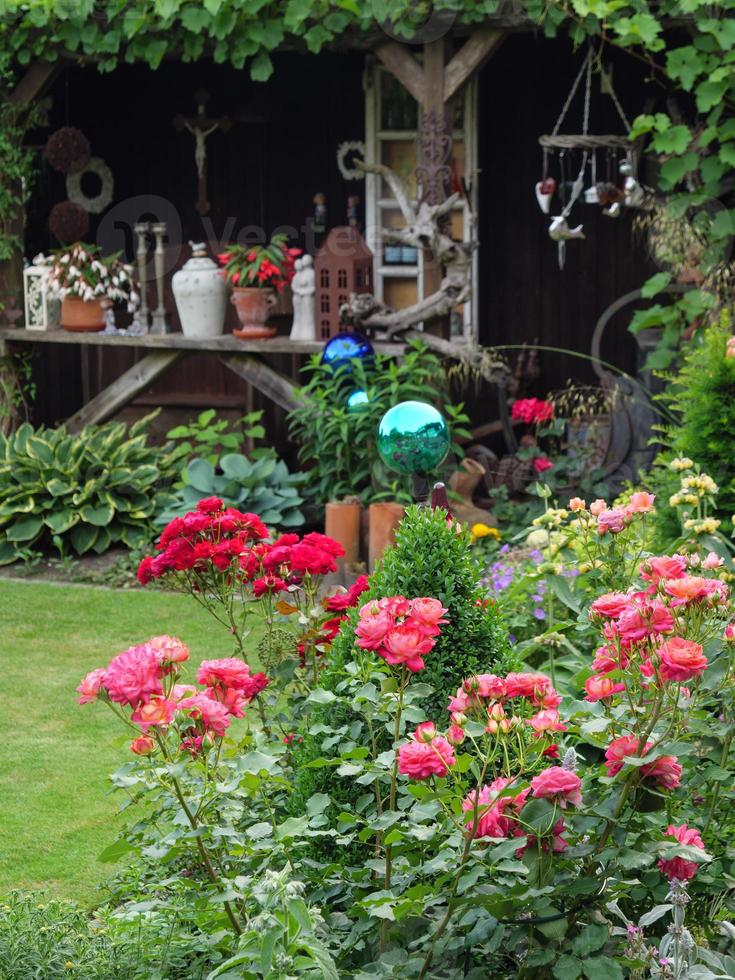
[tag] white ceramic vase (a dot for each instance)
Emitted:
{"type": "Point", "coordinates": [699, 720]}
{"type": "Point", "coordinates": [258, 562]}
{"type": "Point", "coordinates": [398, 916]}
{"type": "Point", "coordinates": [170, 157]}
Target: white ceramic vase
{"type": "Point", "coordinates": [201, 295]}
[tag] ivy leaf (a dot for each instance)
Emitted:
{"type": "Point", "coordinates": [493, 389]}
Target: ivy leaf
{"type": "Point", "coordinates": [316, 37]}
{"type": "Point", "coordinates": [673, 140]}
{"type": "Point", "coordinates": [677, 167]}
{"type": "Point", "coordinates": [685, 65]}
{"type": "Point", "coordinates": [653, 286]}
{"type": "Point", "coordinates": [709, 94]}
{"type": "Point", "coordinates": [195, 19]}
{"type": "Point", "coordinates": [727, 154]}
{"type": "Point", "coordinates": [261, 68]}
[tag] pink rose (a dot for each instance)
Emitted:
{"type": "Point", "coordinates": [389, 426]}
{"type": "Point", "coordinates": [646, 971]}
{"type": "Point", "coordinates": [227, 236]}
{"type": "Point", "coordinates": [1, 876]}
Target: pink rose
{"type": "Point", "coordinates": [406, 644]}
{"type": "Point", "coordinates": [419, 759]}
{"type": "Point", "coordinates": [640, 502]}
{"type": "Point", "coordinates": [133, 676]}
{"type": "Point", "coordinates": [546, 720]}
{"type": "Point", "coordinates": [712, 561]}
{"type": "Point", "coordinates": [213, 715]}
{"type": "Point", "coordinates": [613, 521]}
{"type": "Point", "coordinates": [158, 712]}
{"type": "Point", "coordinates": [728, 636]}
{"type": "Point", "coordinates": [576, 503]}
{"type": "Point", "coordinates": [678, 867]}
{"type": "Point", "coordinates": [608, 658]}
{"type": "Point", "coordinates": [536, 687]}
{"type": "Point", "coordinates": [428, 614]}
{"type": "Point", "coordinates": [228, 672]}
{"type": "Point", "coordinates": [558, 785]}
{"type": "Point", "coordinates": [597, 507]}
{"type": "Point", "coordinates": [488, 811]}
{"type": "Point", "coordinates": [610, 605]}
{"type": "Point", "coordinates": [664, 567]}
{"type": "Point", "coordinates": [143, 745]}
{"type": "Point", "coordinates": [599, 687]}
{"type": "Point", "coordinates": [692, 588]}
{"type": "Point", "coordinates": [666, 771]}
{"type": "Point", "coordinates": [542, 463]}
{"type": "Point", "coordinates": [372, 626]}
{"type": "Point", "coordinates": [425, 732]}
{"type": "Point", "coordinates": [490, 686]}
{"type": "Point", "coordinates": [680, 659]}
{"type": "Point", "coordinates": [636, 623]}
{"type": "Point", "coordinates": [169, 649]}
{"type": "Point", "coordinates": [618, 750]}
{"type": "Point", "coordinates": [91, 685]}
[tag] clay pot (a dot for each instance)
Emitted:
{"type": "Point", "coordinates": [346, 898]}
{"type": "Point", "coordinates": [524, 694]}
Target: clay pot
{"type": "Point", "coordinates": [82, 315]}
{"type": "Point", "coordinates": [342, 522]}
{"type": "Point", "coordinates": [253, 306]}
{"type": "Point", "coordinates": [384, 520]}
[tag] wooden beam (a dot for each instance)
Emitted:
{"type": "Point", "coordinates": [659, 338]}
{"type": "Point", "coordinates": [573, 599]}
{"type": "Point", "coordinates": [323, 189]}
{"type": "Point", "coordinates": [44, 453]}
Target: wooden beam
{"type": "Point", "coordinates": [35, 81]}
{"type": "Point", "coordinates": [123, 389]}
{"type": "Point", "coordinates": [470, 58]}
{"type": "Point", "coordinates": [401, 63]}
{"type": "Point", "coordinates": [263, 377]}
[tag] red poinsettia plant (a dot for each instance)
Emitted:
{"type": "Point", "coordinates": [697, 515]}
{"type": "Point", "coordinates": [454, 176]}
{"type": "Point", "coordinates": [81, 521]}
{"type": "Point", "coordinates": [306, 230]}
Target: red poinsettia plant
{"type": "Point", "coordinates": [268, 266]}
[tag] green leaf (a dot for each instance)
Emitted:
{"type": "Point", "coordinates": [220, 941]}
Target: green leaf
{"type": "Point", "coordinates": [61, 521]}
{"type": "Point", "coordinates": [26, 529]}
{"type": "Point", "coordinates": [115, 851]}
{"type": "Point", "coordinates": [709, 94]}
{"type": "Point", "coordinates": [567, 968]}
{"type": "Point", "coordinates": [196, 19]}
{"type": "Point", "coordinates": [602, 968]}
{"type": "Point", "coordinates": [257, 762]}
{"type": "Point", "coordinates": [655, 284]}
{"type": "Point", "coordinates": [592, 938]}
{"type": "Point", "coordinates": [261, 67]}
{"type": "Point", "coordinates": [83, 536]}
{"type": "Point", "coordinates": [99, 516]}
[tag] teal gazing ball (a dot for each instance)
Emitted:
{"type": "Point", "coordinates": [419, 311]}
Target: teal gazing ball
{"type": "Point", "coordinates": [339, 350]}
{"type": "Point", "coordinates": [413, 437]}
{"type": "Point", "coordinates": [357, 400]}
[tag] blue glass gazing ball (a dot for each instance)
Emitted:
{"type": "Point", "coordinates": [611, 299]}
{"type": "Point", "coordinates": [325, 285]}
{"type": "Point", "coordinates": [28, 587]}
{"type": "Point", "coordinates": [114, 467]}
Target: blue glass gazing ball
{"type": "Point", "coordinates": [413, 437]}
{"type": "Point", "coordinates": [357, 400]}
{"type": "Point", "coordinates": [340, 349]}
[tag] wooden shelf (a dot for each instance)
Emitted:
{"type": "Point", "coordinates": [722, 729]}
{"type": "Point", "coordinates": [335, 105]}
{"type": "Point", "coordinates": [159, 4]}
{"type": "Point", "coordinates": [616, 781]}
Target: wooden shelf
{"type": "Point", "coordinates": [177, 341]}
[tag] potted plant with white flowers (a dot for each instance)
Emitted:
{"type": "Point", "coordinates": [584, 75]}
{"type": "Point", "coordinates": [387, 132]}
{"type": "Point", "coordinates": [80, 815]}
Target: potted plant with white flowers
{"type": "Point", "coordinates": [87, 283]}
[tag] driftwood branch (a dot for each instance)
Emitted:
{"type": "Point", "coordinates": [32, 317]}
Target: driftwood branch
{"type": "Point", "coordinates": [423, 230]}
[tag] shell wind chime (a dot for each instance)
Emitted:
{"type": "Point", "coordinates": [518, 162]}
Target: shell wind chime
{"type": "Point", "coordinates": [609, 162]}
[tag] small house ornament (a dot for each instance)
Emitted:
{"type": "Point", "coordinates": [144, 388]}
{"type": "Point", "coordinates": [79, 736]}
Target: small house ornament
{"type": "Point", "coordinates": [343, 266]}
{"type": "Point", "coordinates": [42, 309]}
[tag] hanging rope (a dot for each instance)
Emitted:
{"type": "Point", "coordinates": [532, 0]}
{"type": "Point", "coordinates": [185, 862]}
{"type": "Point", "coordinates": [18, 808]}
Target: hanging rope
{"type": "Point", "coordinates": [584, 141]}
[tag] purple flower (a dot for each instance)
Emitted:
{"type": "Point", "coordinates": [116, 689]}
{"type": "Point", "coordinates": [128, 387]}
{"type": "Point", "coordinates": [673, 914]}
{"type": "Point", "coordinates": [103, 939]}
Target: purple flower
{"type": "Point", "coordinates": [539, 613]}
{"type": "Point", "coordinates": [511, 638]}
{"type": "Point", "coordinates": [505, 549]}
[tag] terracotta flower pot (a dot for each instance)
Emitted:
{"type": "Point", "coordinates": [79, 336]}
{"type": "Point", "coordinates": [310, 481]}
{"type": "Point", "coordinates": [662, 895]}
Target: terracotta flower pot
{"type": "Point", "coordinates": [384, 520]}
{"type": "Point", "coordinates": [82, 315]}
{"type": "Point", "coordinates": [253, 306]}
{"type": "Point", "coordinates": [342, 522]}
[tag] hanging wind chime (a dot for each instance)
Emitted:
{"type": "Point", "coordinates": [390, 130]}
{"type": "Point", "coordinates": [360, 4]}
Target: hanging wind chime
{"type": "Point", "coordinates": [607, 158]}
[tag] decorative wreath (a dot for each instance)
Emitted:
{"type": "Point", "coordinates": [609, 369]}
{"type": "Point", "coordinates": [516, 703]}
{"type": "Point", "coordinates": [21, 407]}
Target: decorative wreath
{"type": "Point", "coordinates": [67, 150]}
{"type": "Point", "coordinates": [96, 204]}
{"type": "Point", "coordinates": [68, 221]}
{"type": "Point", "coordinates": [343, 150]}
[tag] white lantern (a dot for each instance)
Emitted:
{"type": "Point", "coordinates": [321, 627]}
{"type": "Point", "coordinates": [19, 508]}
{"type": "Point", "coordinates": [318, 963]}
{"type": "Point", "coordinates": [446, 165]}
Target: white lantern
{"type": "Point", "coordinates": [41, 308]}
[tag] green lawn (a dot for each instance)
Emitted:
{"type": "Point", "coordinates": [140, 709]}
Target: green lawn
{"type": "Point", "coordinates": [58, 811]}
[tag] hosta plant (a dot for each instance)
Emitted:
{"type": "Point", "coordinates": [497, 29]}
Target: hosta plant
{"type": "Point", "coordinates": [81, 492]}
{"type": "Point", "coordinates": [262, 485]}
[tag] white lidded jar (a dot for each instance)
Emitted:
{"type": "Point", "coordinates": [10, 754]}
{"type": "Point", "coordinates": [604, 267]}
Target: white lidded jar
{"type": "Point", "coordinates": [200, 292]}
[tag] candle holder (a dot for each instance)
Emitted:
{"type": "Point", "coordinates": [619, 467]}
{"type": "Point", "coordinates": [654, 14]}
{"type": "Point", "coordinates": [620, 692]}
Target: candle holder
{"type": "Point", "coordinates": [142, 228]}
{"type": "Point", "coordinates": [158, 324]}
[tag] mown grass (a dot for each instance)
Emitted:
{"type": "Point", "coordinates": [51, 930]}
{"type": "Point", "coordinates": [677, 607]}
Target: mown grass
{"type": "Point", "coordinates": [58, 809]}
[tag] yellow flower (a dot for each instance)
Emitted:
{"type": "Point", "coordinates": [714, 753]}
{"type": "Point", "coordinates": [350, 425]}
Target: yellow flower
{"type": "Point", "coordinates": [68, 965]}
{"type": "Point", "coordinates": [682, 463]}
{"type": "Point", "coordinates": [484, 531]}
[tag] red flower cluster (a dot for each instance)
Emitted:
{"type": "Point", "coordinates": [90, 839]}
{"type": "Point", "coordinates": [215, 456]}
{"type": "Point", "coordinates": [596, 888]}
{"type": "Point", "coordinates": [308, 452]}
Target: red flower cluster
{"type": "Point", "coordinates": [260, 266]}
{"type": "Point", "coordinates": [401, 631]}
{"type": "Point", "coordinates": [677, 867]}
{"type": "Point", "coordinates": [532, 410]}
{"type": "Point", "coordinates": [143, 679]}
{"type": "Point", "coordinates": [215, 539]}
{"type": "Point", "coordinates": [505, 703]}
{"type": "Point", "coordinates": [320, 639]}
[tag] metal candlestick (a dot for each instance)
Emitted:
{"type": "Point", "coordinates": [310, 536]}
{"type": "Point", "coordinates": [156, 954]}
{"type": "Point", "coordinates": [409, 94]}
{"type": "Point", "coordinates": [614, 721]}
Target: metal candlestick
{"type": "Point", "coordinates": [158, 324]}
{"type": "Point", "coordinates": [141, 230]}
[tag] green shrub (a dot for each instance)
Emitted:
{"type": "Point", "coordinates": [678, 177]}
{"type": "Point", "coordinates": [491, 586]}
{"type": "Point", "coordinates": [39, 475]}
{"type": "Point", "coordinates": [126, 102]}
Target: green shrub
{"type": "Point", "coordinates": [51, 939]}
{"type": "Point", "coordinates": [339, 444]}
{"type": "Point", "coordinates": [263, 486]}
{"type": "Point", "coordinates": [209, 437]}
{"type": "Point", "coordinates": [431, 557]}
{"type": "Point", "coordinates": [702, 398]}
{"type": "Point", "coordinates": [81, 492]}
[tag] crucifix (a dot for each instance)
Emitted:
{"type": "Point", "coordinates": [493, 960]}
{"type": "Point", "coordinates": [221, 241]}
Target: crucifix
{"type": "Point", "coordinates": [201, 126]}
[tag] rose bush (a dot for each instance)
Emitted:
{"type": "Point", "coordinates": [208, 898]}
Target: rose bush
{"type": "Point", "coordinates": [506, 834]}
